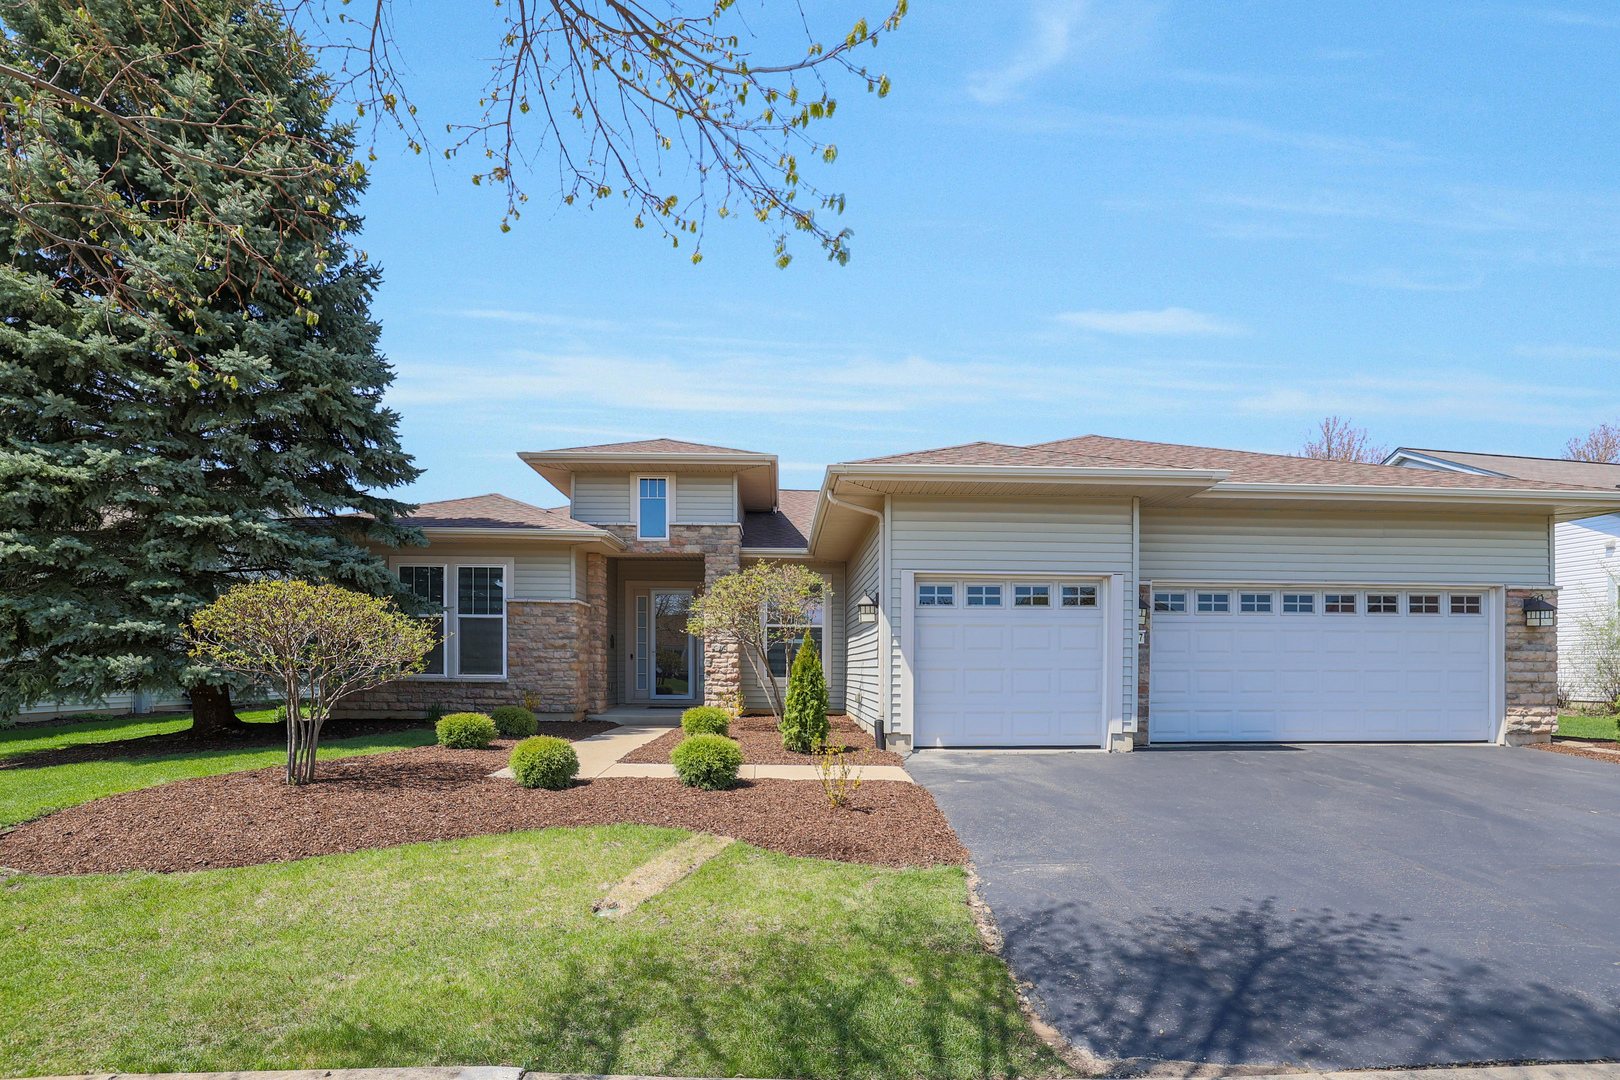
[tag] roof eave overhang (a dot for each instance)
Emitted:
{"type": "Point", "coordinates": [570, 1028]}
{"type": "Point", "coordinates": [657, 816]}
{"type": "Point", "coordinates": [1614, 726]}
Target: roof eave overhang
{"type": "Point", "coordinates": [572, 536]}
{"type": "Point", "coordinates": [1042, 473]}
{"type": "Point", "coordinates": [775, 553]}
{"type": "Point", "coordinates": [1565, 505]}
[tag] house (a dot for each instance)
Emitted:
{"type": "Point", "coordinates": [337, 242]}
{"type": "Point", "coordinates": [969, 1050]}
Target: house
{"type": "Point", "coordinates": [1088, 592]}
{"type": "Point", "coordinates": [1585, 566]}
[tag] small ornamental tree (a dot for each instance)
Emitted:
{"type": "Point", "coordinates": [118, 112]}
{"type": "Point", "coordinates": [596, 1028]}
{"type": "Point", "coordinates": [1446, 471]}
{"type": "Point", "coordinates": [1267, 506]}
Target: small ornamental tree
{"type": "Point", "coordinates": [318, 643]}
{"type": "Point", "coordinates": [740, 608]}
{"type": "Point", "coordinates": [804, 721]}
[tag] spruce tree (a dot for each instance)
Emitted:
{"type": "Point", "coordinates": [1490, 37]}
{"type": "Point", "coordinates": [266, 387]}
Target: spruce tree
{"type": "Point", "coordinates": [804, 717]}
{"type": "Point", "coordinates": [217, 416]}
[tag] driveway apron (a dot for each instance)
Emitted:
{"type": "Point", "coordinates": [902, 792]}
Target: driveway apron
{"type": "Point", "coordinates": [1329, 906]}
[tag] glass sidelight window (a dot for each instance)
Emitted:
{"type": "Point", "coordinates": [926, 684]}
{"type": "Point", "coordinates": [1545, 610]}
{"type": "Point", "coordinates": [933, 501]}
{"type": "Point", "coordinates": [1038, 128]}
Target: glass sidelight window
{"type": "Point", "coordinates": [481, 620]}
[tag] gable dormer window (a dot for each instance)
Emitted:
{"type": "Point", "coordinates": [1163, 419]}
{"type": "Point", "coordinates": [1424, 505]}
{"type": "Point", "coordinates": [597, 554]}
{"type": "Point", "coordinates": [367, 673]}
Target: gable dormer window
{"type": "Point", "coordinates": [652, 508]}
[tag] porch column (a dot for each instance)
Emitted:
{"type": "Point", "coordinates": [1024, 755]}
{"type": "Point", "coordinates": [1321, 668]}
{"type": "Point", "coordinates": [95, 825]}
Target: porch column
{"type": "Point", "coordinates": [595, 638]}
{"type": "Point", "coordinates": [722, 666]}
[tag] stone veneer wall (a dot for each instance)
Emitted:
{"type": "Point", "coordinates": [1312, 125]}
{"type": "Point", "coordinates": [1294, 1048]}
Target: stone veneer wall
{"type": "Point", "coordinates": [1532, 672]}
{"type": "Point", "coordinates": [552, 647]}
{"type": "Point", "coordinates": [721, 548]}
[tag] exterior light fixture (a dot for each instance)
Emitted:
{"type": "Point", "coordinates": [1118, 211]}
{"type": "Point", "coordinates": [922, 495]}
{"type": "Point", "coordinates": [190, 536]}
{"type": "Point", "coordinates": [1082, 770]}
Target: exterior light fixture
{"type": "Point", "coordinates": [1537, 612]}
{"type": "Point", "coordinates": [866, 608]}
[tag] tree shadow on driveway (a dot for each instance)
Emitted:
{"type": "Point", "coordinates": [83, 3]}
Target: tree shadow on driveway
{"type": "Point", "coordinates": [1258, 986]}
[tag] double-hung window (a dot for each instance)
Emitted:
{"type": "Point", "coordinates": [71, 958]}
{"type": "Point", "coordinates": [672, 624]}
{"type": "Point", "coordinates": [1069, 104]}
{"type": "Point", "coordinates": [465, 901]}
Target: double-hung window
{"type": "Point", "coordinates": [786, 636]}
{"type": "Point", "coordinates": [427, 583]}
{"type": "Point", "coordinates": [652, 508]}
{"type": "Point", "coordinates": [481, 620]}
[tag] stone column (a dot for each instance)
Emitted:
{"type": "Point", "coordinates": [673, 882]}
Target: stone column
{"type": "Point", "coordinates": [722, 666]}
{"type": "Point", "coordinates": [596, 637]}
{"type": "Point", "coordinates": [1532, 672]}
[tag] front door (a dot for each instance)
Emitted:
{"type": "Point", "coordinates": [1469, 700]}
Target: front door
{"type": "Point", "coordinates": [672, 651]}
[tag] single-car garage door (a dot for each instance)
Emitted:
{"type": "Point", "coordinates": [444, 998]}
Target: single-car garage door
{"type": "Point", "coordinates": [1298, 664]}
{"type": "Point", "coordinates": [1008, 662]}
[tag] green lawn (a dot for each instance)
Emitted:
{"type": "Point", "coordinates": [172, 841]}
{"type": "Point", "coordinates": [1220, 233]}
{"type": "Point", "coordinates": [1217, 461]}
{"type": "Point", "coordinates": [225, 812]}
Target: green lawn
{"type": "Point", "coordinates": [28, 793]}
{"type": "Point", "coordinates": [1588, 727]}
{"type": "Point", "coordinates": [486, 951]}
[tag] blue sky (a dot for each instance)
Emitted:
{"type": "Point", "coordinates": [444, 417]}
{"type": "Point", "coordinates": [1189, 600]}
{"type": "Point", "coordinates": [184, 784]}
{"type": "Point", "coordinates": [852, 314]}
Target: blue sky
{"type": "Point", "coordinates": [1209, 222]}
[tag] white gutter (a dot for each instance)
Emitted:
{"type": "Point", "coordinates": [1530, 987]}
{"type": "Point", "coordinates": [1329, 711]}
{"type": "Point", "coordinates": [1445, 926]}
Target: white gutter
{"type": "Point", "coordinates": [1384, 491]}
{"type": "Point", "coordinates": [885, 634]}
{"type": "Point", "coordinates": [1168, 475]}
{"type": "Point", "coordinates": [575, 535]}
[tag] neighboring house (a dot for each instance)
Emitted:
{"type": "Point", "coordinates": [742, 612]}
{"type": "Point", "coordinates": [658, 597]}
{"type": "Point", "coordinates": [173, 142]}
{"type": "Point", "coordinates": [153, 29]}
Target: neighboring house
{"type": "Point", "coordinates": [1586, 567]}
{"type": "Point", "coordinates": [1087, 592]}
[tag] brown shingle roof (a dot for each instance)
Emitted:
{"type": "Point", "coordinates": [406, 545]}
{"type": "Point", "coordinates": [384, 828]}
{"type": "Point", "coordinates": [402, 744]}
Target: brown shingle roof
{"type": "Point", "coordinates": [1547, 470]}
{"type": "Point", "coordinates": [990, 453]}
{"type": "Point", "coordinates": [786, 527]}
{"type": "Point", "coordinates": [651, 446]}
{"type": "Point", "coordinates": [489, 512]}
{"type": "Point", "coordinates": [1251, 468]}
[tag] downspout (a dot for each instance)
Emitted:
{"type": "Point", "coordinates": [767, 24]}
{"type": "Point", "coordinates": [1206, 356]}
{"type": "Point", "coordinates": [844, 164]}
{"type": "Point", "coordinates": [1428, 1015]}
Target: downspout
{"type": "Point", "coordinates": [884, 637]}
{"type": "Point", "coordinates": [1134, 617]}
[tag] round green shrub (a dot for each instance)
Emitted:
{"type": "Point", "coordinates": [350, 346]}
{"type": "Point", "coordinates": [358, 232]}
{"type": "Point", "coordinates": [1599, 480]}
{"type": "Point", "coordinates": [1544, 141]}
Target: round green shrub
{"type": "Point", "coordinates": [545, 762]}
{"type": "Point", "coordinates": [514, 721]}
{"type": "Point", "coordinates": [466, 731]}
{"type": "Point", "coordinates": [706, 720]}
{"type": "Point", "coordinates": [709, 762]}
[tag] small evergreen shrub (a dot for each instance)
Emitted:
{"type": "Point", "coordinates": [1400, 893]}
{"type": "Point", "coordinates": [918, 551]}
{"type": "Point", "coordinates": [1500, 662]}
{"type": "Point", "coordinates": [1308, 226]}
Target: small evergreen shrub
{"type": "Point", "coordinates": [544, 761]}
{"type": "Point", "coordinates": [514, 721]}
{"type": "Point", "coordinates": [709, 762]}
{"type": "Point", "coordinates": [706, 720]}
{"type": "Point", "coordinates": [466, 731]}
{"type": "Point", "coordinates": [804, 723]}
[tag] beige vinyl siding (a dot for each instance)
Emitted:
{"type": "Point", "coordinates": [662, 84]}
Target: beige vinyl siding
{"type": "Point", "coordinates": [1343, 547]}
{"type": "Point", "coordinates": [601, 499]}
{"type": "Point", "coordinates": [539, 573]}
{"type": "Point", "coordinates": [1587, 571]}
{"type": "Point", "coordinates": [832, 660]}
{"type": "Point", "coordinates": [705, 499]}
{"type": "Point", "coordinates": [861, 653]}
{"type": "Point", "coordinates": [1060, 536]}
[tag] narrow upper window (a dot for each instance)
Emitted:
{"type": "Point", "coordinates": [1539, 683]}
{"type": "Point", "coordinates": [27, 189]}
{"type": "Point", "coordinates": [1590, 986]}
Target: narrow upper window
{"type": "Point", "coordinates": [1465, 603]}
{"type": "Point", "coordinates": [1079, 596]}
{"type": "Point", "coordinates": [936, 595]}
{"type": "Point", "coordinates": [984, 596]}
{"type": "Point", "coordinates": [1212, 602]}
{"type": "Point", "coordinates": [1339, 603]}
{"type": "Point", "coordinates": [1032, 596]}
{"type": "Point", "coordinates": [1422, 603]}
{"type": "Point", "coordinates": [1299, 603]}
{"type": "Point", "coordinates": [1256, 602]}
{"type": "Point", "coordinates": [1383, 604]}
{"type": "Point", "coordinates": [1170, 601]}
{"type": "Point", "coordinates": [652, 518]}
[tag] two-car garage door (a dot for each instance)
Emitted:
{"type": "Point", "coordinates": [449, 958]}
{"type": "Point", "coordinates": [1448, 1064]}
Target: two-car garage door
{"type": "Point", "coordinates": [1304, 664]}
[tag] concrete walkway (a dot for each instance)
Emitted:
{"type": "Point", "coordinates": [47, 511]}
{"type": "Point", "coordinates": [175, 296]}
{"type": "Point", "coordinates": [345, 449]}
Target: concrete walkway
{"type": "Point", "coordinates": [600, 755]}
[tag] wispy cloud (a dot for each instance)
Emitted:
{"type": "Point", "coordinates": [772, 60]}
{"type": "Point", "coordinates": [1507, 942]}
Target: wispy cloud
{"type": "Point", "coordinates": [1390, 278]}
{"type": "Point", "coordinates": [1567, 352]}
{"type": "Point", "coordinates": [1563, 17]}
{"type": "Point", "coordinates": [1167, 322]}
{"type": "Point", "coordinates": [1065, 32]}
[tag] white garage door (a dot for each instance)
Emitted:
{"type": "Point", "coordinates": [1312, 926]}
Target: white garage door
{"type": "Point", "coordinates": [1235, 663]}
{"type": "Point", "coordinates": [1008, 662]}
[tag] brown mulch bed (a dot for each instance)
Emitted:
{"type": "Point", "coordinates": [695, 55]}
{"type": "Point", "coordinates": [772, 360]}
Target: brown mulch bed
{"type": "Point", "coordinates": [430, 793]}
{"type": "Point", "coordinates": [762, 744]}
{"type": "Point", "coordinates": [250, 736]}
{"type": "Point", "coordinates": [1585, 748]}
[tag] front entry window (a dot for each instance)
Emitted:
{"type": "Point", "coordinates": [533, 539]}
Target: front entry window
{"type": "Point", "coordinates": [672, 652]}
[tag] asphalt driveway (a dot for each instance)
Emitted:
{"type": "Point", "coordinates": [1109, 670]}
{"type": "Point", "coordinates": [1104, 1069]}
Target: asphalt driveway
{"type": "Point", "coordinates": [1331, 906]}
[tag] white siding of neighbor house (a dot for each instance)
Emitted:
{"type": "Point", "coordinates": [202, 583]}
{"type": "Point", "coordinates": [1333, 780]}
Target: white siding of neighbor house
{"type": "Point", "coordinates": [705, 499]}
{"type": "Point", "coordinates": [1058, 536]}
{"type": "Point", "coordinates": [832, 660]}
{"type": "Point", "coordinates": [168, 701]}
{"type": "Point", "coordinates": [1343, 547]}
{"type": "Point", "coordinates": [1587, 570]}
{"type": "Point", "coordinates": [601, 500]}
{"type": "Point", "coordinates": [861, 652]}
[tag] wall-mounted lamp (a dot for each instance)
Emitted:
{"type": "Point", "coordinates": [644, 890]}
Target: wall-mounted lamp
{"type": "Point", "coordinates": [1537, 612]}
{"type": "Point", "coordinates": [866, 608]}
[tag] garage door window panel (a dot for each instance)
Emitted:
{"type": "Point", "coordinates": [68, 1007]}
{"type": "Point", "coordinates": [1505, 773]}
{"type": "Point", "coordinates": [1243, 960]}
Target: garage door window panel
{"type": "Point", "coordinates": [1079, 596]}
{"type": "Point", "coordinates": [1338, 603]}
{"type": "Point", "coordinates": [1032, 596]}
{"type": "Point", "coordinates": [983, 596]}
{"type": "Point", "coordinates": [1254, 603]}
{"type": "Point", "coordinates": [935, 595]}
{"type": "Point", "coordinates": [1465, 603]}
{"type": "Point", "coordinates": [1423, 603]}
{"type": "Point", "coordinates": [1170, 603]}
{"type": "Point", "coordinates": [1294, 603]}
{"type": "Point", "coordinates": [1383, 604]}
{"type": "Point", "coordinates": [1214, 603]}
